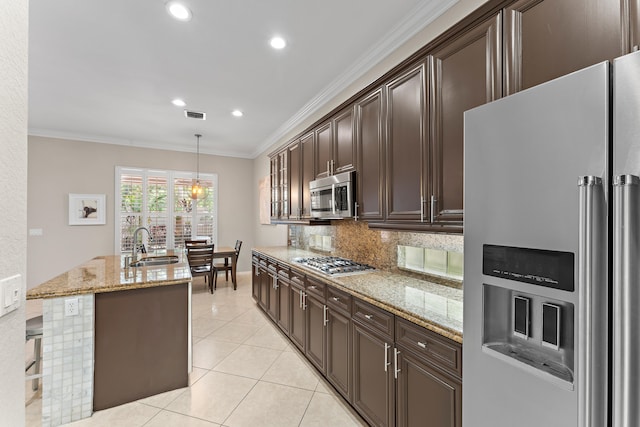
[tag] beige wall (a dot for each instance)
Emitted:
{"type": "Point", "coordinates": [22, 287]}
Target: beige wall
{"type": "Point", "coordinates": [13, 200]}
{"type": "Point", "coordinates": [59, 167]}
{"type": "Point", "coordinates": [261, 166]}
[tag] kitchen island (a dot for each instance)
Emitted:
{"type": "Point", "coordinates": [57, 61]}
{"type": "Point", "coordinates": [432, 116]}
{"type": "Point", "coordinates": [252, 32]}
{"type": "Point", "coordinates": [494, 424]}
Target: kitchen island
{"type": "Point", "coordinates": [113, 334]}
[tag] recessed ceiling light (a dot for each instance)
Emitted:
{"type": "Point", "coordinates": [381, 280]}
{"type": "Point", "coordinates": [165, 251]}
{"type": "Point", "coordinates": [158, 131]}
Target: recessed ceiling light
{"type": "Point", "coordinates": [237, 113]}
{"type": "Point", "coordinates": [178, 102]}
{"type": "Point", "coordinates": [278, 43]}
{"type": "Point", "coordinates": [179, 11]}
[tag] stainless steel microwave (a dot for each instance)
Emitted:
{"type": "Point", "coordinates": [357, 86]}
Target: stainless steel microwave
{"type": "Point", "coordinates": [333, 197]}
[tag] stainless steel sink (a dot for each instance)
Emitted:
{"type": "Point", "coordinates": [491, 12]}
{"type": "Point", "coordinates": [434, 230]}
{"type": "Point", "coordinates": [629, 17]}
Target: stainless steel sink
{"type": "Point", "coordinates": [155, 260]}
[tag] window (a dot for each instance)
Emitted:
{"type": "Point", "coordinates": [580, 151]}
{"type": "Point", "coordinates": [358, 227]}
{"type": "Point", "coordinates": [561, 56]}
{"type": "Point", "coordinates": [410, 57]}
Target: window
{"type": "Point", "coordinates": [161, 201]}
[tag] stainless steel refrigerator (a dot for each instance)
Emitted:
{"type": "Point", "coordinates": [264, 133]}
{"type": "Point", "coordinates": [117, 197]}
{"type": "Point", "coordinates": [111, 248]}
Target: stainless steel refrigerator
{"type": "Point", "coordinates": [552, 253]}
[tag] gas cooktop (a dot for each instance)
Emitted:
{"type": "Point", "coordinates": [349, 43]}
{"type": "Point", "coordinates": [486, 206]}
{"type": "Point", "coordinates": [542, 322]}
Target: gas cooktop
{"type": "Point", "coordinates": [333, 266]}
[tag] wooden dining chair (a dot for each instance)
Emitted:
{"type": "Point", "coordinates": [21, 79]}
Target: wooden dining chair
{"type": "Point", "coordinates": [200, 259]}
{"type": "Point", "coordinates": [227, 266]}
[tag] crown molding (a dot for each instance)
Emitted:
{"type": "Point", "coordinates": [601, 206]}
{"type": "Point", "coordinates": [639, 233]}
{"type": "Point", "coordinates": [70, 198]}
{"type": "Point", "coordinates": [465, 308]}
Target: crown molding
{"type": "Point", "coordinates": [424, 14]}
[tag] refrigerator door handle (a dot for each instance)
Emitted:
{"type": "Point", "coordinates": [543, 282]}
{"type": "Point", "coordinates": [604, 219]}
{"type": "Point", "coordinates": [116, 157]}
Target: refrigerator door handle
{"type": "Point", "coordinates": [592, 298]}
{"type": "Point", "coordinates": [626, 298]}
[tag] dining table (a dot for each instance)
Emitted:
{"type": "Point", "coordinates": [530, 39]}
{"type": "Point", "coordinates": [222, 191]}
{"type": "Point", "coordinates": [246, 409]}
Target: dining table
{"type": "Point", "coordinates": [230, 256]}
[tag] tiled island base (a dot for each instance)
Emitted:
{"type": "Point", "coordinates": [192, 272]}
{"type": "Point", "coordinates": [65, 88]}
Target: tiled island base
{"type": "Point", "coordinates": [67, 361]}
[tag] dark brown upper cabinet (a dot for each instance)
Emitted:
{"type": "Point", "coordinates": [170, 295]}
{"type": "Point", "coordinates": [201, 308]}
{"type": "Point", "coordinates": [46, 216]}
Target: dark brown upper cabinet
{"type": "Point", "coordinates": [545, 39]}
{"type": "Point", "coordinates": [407, 150]}
{"type": "Point", "coordinates": [295, 180]}
{"type": "Point", "coordinates": [308, 173]}
{"type": "Point", "coordinates": [465, 73]}
{"type": "Point", "coordinates": [335, 148]}
{"type": "Point", "coordinates": [370, 150]}
{"type": "Point", "coordinates": [634, 26]}
{"type": "Point", "coordinates": [324, 147]}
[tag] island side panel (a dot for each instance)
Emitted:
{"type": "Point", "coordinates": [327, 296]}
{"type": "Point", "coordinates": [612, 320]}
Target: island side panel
{"type": "Point", "coordinates": [141, 343]}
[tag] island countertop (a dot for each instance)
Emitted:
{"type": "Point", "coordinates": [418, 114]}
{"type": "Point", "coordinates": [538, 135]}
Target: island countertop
{"type": "Point", "coordinates": [108, 274]}
{"type": "Point", "coordinates": [431, 305]}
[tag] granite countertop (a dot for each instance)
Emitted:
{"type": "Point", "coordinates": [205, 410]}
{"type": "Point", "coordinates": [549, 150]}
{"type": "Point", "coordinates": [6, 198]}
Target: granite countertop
{"type": "Point", "coordinates": [108, 274]}
{"type": "Point", "coordinates": [434, 306]}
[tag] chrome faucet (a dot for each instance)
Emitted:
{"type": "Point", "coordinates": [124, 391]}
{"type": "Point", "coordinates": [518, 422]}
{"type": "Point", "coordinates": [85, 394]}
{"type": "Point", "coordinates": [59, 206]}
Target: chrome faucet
{"type": "Point", "coordinates": [135, 242]}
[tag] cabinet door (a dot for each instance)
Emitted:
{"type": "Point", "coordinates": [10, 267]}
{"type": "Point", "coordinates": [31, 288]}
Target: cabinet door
{"type": "Point", "coordinates": [373, 382]}
{"type": "Point", "coordinates": [465, 73]}
{"type": "Point", "coordinates": [370, 150]}
{"type": "Point", "coordinates": [284, 307]}
{"type": "Point", "coordinates": [316, 332]}
{"type": "Point", "coordinates": [545, 39]}
{"type": "Point", "coordinates": [295, 181]}
{"type": "Point", "coordinates": [265, 286]}
{"type": "Point", "coordinates": [324, 145]}
{"type": "Point", "coordinates": [339, 352]}
{"type": "Point", "coordinates": [255, 283]}
{"type": "Point", "coordinates": [344, 156]}
{"type": "Point", "coordinates": [425, 396]}
{"type": "Point", "coordinates": [308, 172]}
{"type": "Point", "coordinates": [283, 183]}
{"type": "Point", "coordinates": [634, 26]}
{"type": "Point", "coordinates": [272, 305]}
{"type": "Point", "coordinates": [275, 195]}
{"type": "Point", "coordinates": [407, 154]}
{"type": "Point", "coordinates": [298, 328]}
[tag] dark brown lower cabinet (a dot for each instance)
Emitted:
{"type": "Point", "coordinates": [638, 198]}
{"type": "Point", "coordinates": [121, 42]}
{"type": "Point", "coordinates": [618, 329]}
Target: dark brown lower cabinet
{"type": "Point", "coordinates": [425, 396]}
{"type": "Point", "coordinates": [373, 382]}
{"type": "Point", "coordinates": [272, 291]}
{"type": "Point", "coordinates": [316, 332]}
{"type": "Point", "coordinates": [255, 281]}
{"type": "Point", "coordinates": [264, 283]}
{"type": "Point", "coordinates": [392, 371]}
{"type": "Point", "coordinates": [297, 314]}
{"type": "Point", "coordinates": [339, 351]}
{"type": "Point", "coordinates": [283, 312]}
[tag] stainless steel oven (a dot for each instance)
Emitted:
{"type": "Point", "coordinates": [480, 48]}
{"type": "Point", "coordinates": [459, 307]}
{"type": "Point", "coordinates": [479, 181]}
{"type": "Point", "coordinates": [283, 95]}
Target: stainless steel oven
{"type": "Point", "coordinates": [333, 197]}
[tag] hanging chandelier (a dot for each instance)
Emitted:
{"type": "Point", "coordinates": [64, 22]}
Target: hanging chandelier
{"type": "Point", "coordinates": [197, 191]}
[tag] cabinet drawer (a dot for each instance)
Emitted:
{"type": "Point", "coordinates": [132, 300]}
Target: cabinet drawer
{"type": "Point", "coordinates": [435, 349]}
{"type": "Point", "coordinates": [373, 317]}
{"type": "Point", "coordinates": [284, 272]}
{"type": "Point", "coordinates": [316, 288]}
{"type": "Point", "coordinates": [297, 278]}
{"type": "Point", "coordinates": [338, 299]}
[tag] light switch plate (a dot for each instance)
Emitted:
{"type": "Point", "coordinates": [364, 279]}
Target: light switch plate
{"type": "Point", "coordinates": [10, 293]}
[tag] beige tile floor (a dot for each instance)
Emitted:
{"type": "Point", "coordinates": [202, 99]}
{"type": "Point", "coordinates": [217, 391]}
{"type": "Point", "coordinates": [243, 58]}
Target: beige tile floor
{"type": "Point", "coordinates": [245, 373]}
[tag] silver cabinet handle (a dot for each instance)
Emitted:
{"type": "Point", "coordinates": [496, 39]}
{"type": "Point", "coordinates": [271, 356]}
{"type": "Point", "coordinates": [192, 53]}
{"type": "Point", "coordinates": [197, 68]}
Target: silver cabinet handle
{"type": "Point", "coordinates": [304, 300]}
{"type": "Point", "coordinates": [422, 344]}
{"type": "Point", "coordinates": [328, 168]}
{"type": "Point", "coordinates": [433, 207]}
{"type": "Point", "coordinates": [386, 356]}
{"type": "Point", "coordinates": [369, 316]}
{"type": "Point", "coordinates": [336, 299]}
{"type": "Point", "coordinates": [355, 216]}
{"type": "Point", "coordinates": [313, 287]}
{"type": "Point", "coordinates": [421, 209]}
{"type": "Point", "coordinates": [300, 298]}
{"type": "Point", "coordinates": [333, 165]}
{"type": "Point", "coordinates": [592, 297]}
{"type": "Point", "coordinates": [626, 297]}
{"type": "Point", "coordinates": [396, 369]}
{"type": "Point", "coordinates": [325, 319]}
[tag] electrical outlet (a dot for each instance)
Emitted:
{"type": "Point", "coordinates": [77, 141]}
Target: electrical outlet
{"type": "Point", "coordinates": [71, 307]}
{"type": "Point", "coordinates": [10, 294]}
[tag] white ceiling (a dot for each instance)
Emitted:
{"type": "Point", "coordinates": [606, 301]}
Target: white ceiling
{"type": "Point", "coordinates": [107, 70]}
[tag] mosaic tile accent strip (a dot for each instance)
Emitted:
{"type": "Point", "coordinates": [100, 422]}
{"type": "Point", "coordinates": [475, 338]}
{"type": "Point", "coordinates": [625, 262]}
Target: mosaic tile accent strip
{"type": "Point", "coordinates": [67, 361]}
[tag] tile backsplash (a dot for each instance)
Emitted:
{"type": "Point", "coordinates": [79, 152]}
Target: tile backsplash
{"type": "Point", "coordinates": [380, 248]}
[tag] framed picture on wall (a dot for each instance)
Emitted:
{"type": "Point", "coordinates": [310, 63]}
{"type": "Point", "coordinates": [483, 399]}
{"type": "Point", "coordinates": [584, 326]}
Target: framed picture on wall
{"type": "Point", "coordinates": [87, 209]}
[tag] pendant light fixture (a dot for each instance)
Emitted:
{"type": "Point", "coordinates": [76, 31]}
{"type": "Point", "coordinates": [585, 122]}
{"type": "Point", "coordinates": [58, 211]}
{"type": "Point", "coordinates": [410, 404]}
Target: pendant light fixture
{"type": "Point", "coordinates": [197, 191]}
